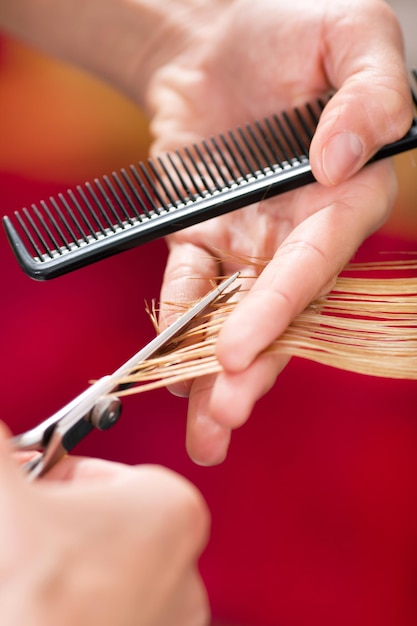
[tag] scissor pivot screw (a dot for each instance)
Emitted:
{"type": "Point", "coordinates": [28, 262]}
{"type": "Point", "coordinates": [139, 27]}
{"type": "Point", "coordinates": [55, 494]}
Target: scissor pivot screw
{"type": "Point", "coordinates": [106, 412]}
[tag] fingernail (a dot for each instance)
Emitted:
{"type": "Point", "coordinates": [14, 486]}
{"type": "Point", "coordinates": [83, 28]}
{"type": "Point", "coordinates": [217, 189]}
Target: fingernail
{"type": "Point", "coordinates": [341, 156]}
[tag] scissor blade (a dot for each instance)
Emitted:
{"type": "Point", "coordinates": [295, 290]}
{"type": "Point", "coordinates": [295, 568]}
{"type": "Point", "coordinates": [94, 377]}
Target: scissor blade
{"type": "Point", "coordinates": [37, 437]}
{"type": "Point", "coordinates": [171, 331]}
{"type": "Point", "coordinates": [68, 417]}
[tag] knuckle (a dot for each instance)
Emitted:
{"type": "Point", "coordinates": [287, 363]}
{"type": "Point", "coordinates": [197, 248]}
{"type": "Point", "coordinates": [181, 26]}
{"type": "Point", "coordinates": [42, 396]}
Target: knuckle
{"type": "Point", "coordinates": [195, 514]}
{"type": "Point", "coordinates": [182, 503]}
{"type": "Point", "coordinates": [301, 247]}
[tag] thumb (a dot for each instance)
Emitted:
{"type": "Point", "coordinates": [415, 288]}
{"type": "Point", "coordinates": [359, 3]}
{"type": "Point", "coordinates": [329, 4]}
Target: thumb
{"type": "Point", "coordinates": [372, 105]}
{"type": "Point", "coordinates": [12, 504]}
{"type": "Point", "coordinates": [5, 447]}
{"type": "Point", "coordinates": [9, 471]}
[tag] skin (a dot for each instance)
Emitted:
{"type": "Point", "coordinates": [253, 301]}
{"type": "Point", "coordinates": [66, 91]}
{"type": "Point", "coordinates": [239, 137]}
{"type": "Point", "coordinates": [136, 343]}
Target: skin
{"type": "Point", "coordinates": [292, 52]}
{"type": "Point", "coordinates": [106, 544]}
{"type": "Point", "coordinates": [199, 68]}
{"type": "Point", "coordinates": [203, 67]}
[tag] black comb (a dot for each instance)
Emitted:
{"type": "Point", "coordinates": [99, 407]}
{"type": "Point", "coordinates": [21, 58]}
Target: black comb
{"type": "Point", "coordinates": [172, 192]}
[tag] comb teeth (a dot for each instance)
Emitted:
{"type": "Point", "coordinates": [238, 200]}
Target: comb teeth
{"type": "Point", "coordinates": [153, 199]}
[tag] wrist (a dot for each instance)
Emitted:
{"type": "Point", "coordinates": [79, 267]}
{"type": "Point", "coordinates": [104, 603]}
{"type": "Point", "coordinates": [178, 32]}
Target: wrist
{"type": "Point", "coordinates": [120, 41]}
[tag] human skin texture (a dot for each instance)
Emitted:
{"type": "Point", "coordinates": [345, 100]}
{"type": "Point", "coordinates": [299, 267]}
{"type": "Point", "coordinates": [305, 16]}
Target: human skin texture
{"type": "Point", "coordinates": [202, 67]}
{"type": "Point", "coordinates": [104, 543]}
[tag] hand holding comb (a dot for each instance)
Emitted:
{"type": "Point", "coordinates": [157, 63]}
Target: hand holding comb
{"type": "Point", "coordinates": [174, 191]}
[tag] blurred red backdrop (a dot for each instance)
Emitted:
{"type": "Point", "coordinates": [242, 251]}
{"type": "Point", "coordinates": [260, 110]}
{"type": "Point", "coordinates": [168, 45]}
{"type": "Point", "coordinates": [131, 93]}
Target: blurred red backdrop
{"type": "Point", "coordinates": [314, 511]}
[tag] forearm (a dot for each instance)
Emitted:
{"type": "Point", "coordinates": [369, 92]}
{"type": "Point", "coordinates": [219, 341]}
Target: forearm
{"type": "Point", "coordinates": [120, 41]}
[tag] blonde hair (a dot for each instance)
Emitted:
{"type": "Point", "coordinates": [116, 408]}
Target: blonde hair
{"type": "Point", "coordinates": [365, 324]}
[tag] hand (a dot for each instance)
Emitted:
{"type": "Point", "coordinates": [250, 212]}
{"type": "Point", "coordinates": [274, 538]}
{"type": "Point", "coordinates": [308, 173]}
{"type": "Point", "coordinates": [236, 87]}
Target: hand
{"type": "Point", "coordinates": [254, 59]}
{"type": "Point", "coordinates": [202, 67]}
{"type": "Point", "coordinates": [100, 543]}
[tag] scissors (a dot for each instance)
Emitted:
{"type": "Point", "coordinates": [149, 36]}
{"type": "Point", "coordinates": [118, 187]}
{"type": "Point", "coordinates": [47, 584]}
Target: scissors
{"type": "Point", "coordinates": [97, 406]}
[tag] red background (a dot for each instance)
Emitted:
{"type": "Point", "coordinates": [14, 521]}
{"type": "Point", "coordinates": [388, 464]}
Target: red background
{"type": "Point", "coordinates": [314, 511]}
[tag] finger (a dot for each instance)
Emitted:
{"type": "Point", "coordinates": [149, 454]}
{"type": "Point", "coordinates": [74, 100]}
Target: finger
{"type": "Point", "coordinates": [306, 265]}
{"type": "Point", "coordinates": [188, 276]}
{"type": "Point", "coordinates": [83, 469]}
{"type": "Point", "coordinates": [215, 409]}
{"type": "Point", "coordinates": [150, 526]}
{"type": "Point", "coordinates": [189, 605]}
{"type": "Point", "coordinates": [25, 456]}
{"type": "Point", "coordinates": [235, 394]}
{"type": "Point", "coordinates": [15, 507]}
{"type": "Point", "coordinates": [372, 106]}
{"type": "Point", "coordinates": [195, 607]}
{"type": "Point", "coordinates": [207, 441]}
{"type": "Point", "coordinates": [9, 472]}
